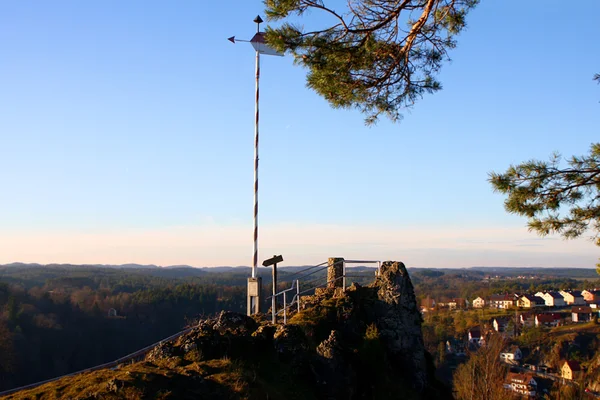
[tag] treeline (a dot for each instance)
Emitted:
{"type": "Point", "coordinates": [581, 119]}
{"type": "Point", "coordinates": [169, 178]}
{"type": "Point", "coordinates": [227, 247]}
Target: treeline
{"type": "Point", "coordinates": [55, 321]}
{"type": "Point", "coordinates": [469, 284]}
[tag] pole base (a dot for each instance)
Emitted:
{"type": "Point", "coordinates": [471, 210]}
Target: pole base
{"type": "Point", "coordinates": [254, 295]}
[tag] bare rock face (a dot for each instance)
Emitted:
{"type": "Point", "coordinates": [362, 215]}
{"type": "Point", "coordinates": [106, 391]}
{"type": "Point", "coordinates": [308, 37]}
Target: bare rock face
{"type": "Point", "coordinates": [290, 342]}
{"type": "Point", "coordinates": [235, 323]}
{"type": "Point", "coordinates": [161, 352]}
{"type": "Point", "coordinates": [333, 372]}
{"type": "Point", "coordinates": [329, 348]}
{"type": "Point", "coordinates": [399, 321]}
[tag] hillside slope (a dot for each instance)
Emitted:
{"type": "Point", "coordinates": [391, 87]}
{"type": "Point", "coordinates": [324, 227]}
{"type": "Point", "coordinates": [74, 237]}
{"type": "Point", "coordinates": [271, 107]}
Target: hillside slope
{"type": "Point", "coordinates": [365, 342]}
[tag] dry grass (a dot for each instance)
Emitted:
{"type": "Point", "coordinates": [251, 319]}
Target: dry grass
{"type": "Point", "coordinates": [143, 380]}
{"type": "Point", "coordinates": [588, 327]}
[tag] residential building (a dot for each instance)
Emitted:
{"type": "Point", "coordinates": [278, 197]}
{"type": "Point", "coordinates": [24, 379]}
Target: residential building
{"type": "Point", "coordinates": [529, 301]}
{"type": "Point", "coordinates": [548, 319]}
{"type": "Point", "coordinates": [552, 299]}
{"type": "Point", "coordinates": [570, 370]}
{"type": "Point", "coordinates": [474, 335]}
{"type": "Point", "coordinates": [457, 303]}
{"type": "Point", "coordinates": [427, 304]}
{"type": "Point", "coordinates": [500, 324]}
{"type": "Point", "coordinates": [456, 347]}
{"type": "Point", "coordinates": [479, 303]}
{"type": "Point", "coordinates": [527, 319]}
{"type": "Point", "coordinates": [581, 314]}
{"type": "Point", "coordinates": [591, 295]}
{"type": "Point", "coordinates": [512, 355]}
{"type": "Point", "coordinates": [501, 301]}
{"type": "Point", "coordinates": [573, 297]}
{"type": "Point", "coordinates": [523, 384]}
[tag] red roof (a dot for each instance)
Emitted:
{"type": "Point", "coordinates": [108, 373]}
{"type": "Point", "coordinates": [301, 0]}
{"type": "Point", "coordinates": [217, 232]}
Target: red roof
{"type": "Point", "coordinates": [549, 317]}
{"type": "Point", "coordinates": [520, 378]}
{"type": "Point", "coordinates": [574, 365]}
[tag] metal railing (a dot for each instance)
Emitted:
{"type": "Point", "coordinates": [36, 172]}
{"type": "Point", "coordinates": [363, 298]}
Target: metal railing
{"type": "Point", "coordinates": [310, 285]}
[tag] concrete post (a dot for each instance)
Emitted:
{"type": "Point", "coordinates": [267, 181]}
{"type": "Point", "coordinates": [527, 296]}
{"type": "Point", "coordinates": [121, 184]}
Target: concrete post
{"type": "Point", "coordinates": [335, 271]}
{"type": "Point", "coordinates": [254, 295]}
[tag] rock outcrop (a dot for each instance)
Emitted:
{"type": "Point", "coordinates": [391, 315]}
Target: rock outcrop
{"type": "Point", "coordinates": [361, 343]}
{"type": "Point", "coordinates": [399, 321]}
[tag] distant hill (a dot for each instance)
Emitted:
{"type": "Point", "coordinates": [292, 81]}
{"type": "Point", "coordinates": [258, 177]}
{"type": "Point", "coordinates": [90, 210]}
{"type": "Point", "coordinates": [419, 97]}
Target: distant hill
{"type": "Point", "coordinates": [547, 272]}
{"type": "Point", "coordinates": [54, 265]}
{"type": "Point", "coordinates": [188, 270]}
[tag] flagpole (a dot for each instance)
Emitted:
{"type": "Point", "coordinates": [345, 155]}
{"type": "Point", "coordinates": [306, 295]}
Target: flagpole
{"type": "Point", "coordinates": [254, 281]}
{"type": "Point", "coordinates": [256, 117]}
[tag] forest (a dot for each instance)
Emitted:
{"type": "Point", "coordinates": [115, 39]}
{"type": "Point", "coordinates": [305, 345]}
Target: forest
{"type": "Point", "coordinates": [56, 320]}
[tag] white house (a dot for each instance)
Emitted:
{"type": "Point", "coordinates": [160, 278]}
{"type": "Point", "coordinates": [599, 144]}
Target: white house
{"type": "Point", "coordinates": [529, 301]}
{"type": "Point", "coordinates": [581, 314]}
{"type": "Point", "coordinates": [479, 303]}
{"type": "Point", "coordinates": [457, 303]}
{"type": "Point", "coordinates": [552, 299]}
{"type": "Point", "coordinates": [523, 384]}
{"type": "Point", "coordinates": [511, 355]}
{"type": "Point", "coordinates": [501, 301]}
{"type": "Point", "coordinates": [573, 297]}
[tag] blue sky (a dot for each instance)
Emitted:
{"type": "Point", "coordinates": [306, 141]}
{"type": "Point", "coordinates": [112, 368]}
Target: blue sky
{"type": "Point", "coordinates": [126, 135]}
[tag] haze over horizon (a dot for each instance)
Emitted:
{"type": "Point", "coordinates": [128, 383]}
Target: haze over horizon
{"type": "Point", "coordinates": [127, 131]}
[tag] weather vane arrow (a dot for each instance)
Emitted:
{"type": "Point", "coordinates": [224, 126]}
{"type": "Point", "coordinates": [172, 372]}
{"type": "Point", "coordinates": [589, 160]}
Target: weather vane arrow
{"type": "Point", "coordinates": [258, 41]}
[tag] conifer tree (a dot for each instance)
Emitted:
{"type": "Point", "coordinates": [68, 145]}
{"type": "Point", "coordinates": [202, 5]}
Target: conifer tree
{"type": "Point", "coordinates": [379, 56]}
{"type": "Point", "coordinates": [556, 199]}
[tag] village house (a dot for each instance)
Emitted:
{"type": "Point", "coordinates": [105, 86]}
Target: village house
{"type": "Point", "coordinates": [552, 299]}
{"type": "Point", "coordinates": [591, 295]}
{"type": "Point", "coordinates": [570, 370]}
{"type": "Point", "coordinates": [512, 355]}
{"type": "Point", "coordinates": [529, 301]}
{"type": "Point", "coordinates": [573, 297]}
{"type": "Point", "coordinates": [501, 301]}
{"type": "Point", "coordinates": [527, 319]}
{"type": "Point", "coordinates": [523, 384]}
{"type": "Point", "coordinates": [427, 304]}
{"type": "Point", "coordinates": [457, 303]}
{"type": "Point", "coordinates": [474, 335]}
{"type": "Point", "coordinates": [500, 324]}
{"type": "Point", "coordinates": [548, 319]}
{"type": "Point", "coordinates": [456, 347]}
{"type": "Point", "coordinates": [479, 303]}
{"type": "Point", "coordinates": [581, 314]}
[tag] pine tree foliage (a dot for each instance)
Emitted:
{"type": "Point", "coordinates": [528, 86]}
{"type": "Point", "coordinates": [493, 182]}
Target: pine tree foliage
{"type": "Point", "coordinates": [379, 56]}
{"type": "Point", "coordinates": [556, 198]}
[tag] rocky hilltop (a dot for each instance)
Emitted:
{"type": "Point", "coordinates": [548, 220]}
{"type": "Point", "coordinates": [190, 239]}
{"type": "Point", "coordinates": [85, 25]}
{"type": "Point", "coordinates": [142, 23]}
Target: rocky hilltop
{"type": "Point", "coordinates": [362, 343]}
